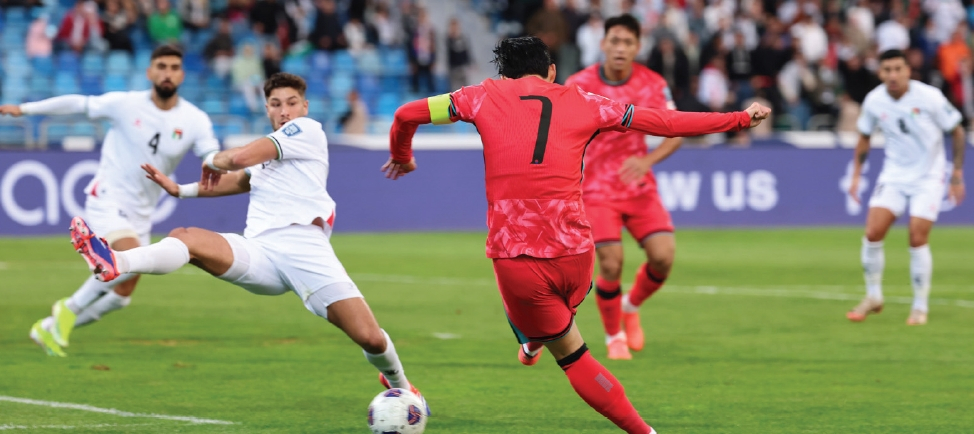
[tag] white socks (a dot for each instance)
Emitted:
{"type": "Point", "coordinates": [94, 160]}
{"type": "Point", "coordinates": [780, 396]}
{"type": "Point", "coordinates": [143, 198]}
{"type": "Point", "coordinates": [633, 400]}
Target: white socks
{"type": "Point", "coordinates": [921, 268]}
{"type": "Point", "coordinates": [92, 290]}
{"type": "Point", "coordinates": [524, 347]}
{"type": "Point", "coordinates": [873, 262]}
{"type": "Point", "coordinates": [627, 306]}
{"type": "Point", "coordinates": [164, 257]}
{"type": "Point", "coordinates": [389, 365]}
{"type": "Point", "coordinates": [109, 302]}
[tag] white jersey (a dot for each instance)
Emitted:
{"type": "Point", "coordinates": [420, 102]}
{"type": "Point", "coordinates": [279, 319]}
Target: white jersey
{"type": "Point", "coordinates": [913, 127]}
{"type": "Point", "coordinates": [292, 188]}
{"type": "Point", "coordinates": [142, 133]}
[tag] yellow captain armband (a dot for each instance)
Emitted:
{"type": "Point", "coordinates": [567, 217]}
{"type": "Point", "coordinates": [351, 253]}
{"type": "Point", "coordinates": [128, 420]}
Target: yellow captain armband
{"type": "Point", "coordinates": [440, 109]}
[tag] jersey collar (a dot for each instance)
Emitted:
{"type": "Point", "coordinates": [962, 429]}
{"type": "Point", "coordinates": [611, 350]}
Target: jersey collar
{"type": "Point", "coordinates": [613, 82]}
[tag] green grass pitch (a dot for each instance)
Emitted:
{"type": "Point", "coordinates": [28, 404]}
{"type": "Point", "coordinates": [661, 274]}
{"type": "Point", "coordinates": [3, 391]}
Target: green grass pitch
{"type": "Point", "coordinates": [748, 336]}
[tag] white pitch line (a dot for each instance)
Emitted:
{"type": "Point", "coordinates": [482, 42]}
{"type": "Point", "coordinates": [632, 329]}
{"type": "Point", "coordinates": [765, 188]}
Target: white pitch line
{"type": "Point", "coordinates": [89, 426]}
{"type": "Point", "coordinates": [824, 292]}
{"type": "Point", "coordinates": [113, 411]}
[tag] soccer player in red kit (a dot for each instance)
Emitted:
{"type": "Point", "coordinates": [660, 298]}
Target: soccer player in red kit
{"type": "Point", "coordinates": [619, 188]}
{"type": "Point", "coordinates": [534, 134]}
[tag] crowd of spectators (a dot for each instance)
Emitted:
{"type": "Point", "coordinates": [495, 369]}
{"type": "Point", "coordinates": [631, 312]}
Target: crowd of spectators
{"type": "Point", "coordinates": [805, 57]}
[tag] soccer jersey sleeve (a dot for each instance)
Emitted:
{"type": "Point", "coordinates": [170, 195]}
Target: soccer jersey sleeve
{"type": "Point", "coordinates": [464, 104]}
{"type": "Point", "coordinates": [105, 106]}
{"type": "Point", "coordinates": [299, 139]}
{"type": "Point", "coordinates": [867, 120]}
{"type": "Point", "coordinates": [944, 113]}
{"type": "Point", "coordinates": [615, 116]}
{"type": "Point", "coordinates": [205, 140]}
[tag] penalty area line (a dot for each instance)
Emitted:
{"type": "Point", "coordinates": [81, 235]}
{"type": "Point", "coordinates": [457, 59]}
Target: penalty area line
{"type": "Point", "coordinates": [112, 411]}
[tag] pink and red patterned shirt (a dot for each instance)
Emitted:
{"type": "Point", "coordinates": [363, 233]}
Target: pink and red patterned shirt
{"type": "Point", "coordinates": [609, 150]}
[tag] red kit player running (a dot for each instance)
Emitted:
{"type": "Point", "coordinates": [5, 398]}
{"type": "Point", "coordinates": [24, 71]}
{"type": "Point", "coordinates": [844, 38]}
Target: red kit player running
{"type": "Point", "coordinates": [619, 188]}
{"type": "Point", "coordinates": [534, 134]}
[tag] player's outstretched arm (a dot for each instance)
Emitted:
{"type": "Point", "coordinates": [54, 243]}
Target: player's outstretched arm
{"type": "Point", "coordinates": [59, 105]}
{"type": "Point", "coordinates": [669, 123]}
{"type": "Point", "coordinates": [229, 184]}
{"type": "Point", "coordinates": [956, 191]}
{"type": "Point", "coordinates": [218, 164]}
{"type": "Point", "coordinates": [407, 119]}
{"type": "Point", "coordinates": [860, 155]}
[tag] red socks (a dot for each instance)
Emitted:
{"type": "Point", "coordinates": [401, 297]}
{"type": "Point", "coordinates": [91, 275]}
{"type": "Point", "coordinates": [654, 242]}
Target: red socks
{"type": "Point", "coordinates": [610, 305]}
{"type": "Point", "coordinates": [647, 282]}
{"type": "Point", "coordinates": [533, 347]}
{"type": "Point", "coordinates": [600, 390]}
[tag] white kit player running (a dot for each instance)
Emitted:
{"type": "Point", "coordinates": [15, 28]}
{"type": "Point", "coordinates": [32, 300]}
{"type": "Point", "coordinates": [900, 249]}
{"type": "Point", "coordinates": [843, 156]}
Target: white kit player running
{"type": "Point", "coordinates": [285, 246]}
{"type": "Point", "coordinates": [913, 118]}
{"type": "Point", "coordinates": [147, 127]}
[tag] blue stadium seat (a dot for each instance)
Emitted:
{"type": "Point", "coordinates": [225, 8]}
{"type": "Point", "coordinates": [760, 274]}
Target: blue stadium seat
{"type": "Point", "coordinates": [227, 125]}
{"type": "Point", "coordinates": [65, 84]}
{"type": "Point", "coordinates": [39, 83]}
{"type": "Point", "coordinates": [138, 81]}
{"type": "Point", "coordinates": [91, 85]}
{"type": "Point", "coordinates": [115, 83]}
{"type": "Point", "coordinates": [118, 62]}
{"type": "Point", "coordinates": [296, 65]}
{"type": "Point", "coordinates": [214, 82]}
{"type": "Point", "coordinates": [387, 105]}
{"type": "Point", "coordinates": [214, 106]}
{"type": "Point", "coordinates": [43, 65]}
{"type": "Point", "coordinates": [238, 106]}
{"type": "Point", "coordinates": [16, 14]}
{"type": "Point", "coordinates": [67, 60]}
{"type": "Point", "coordinates": [193, 62]}
{"type": "Point", "coordinates": [320, 63]}
{"type": "Point", "coordinates": [15, 58]}
{"type": "Point", "coordinates": [261, 125]}
{"type": "Point", "coordinates": [369, 62]}
{"type": "Point", "coordinates": [92, 64]}
{"type": "Point", "coordinates": [17, 70]}
{"type": "Point", "coordinates": [318, 109]}
{"type": "Point", "coordinates": [392, 83]}
{"type": "Point", "coordinates": [142, 59]}
{"type": "Point", "coordinates": [342, 61]}
{"type": "Point", "coordinates": [317, 86]}
{"type": "Point", "coordinates": [394, 62]}
{"type": "Point", "coordinates": [340, 85]}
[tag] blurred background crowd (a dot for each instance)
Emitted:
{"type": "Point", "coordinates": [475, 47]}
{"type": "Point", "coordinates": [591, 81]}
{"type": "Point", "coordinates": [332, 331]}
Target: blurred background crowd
{"type": "Point", "coordinates": [812, 60]}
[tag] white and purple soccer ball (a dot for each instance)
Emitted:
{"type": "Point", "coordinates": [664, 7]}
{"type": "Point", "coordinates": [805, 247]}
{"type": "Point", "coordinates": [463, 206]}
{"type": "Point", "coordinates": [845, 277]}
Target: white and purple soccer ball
{"type": "Point", "coordinates": [397, 411]}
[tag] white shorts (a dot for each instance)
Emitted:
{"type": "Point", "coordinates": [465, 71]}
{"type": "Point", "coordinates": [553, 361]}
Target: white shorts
{"type": "Point", "coordinates": [113, 221]}
{"type": "Point", "coordinates": [924, 198]}
{"type": "Point", "coordinates": [295, 258]}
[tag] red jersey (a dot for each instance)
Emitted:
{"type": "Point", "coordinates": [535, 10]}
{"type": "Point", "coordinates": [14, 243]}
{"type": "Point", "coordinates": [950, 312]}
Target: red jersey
{"type": "Point", "coordinates": [608, 151]}
{"type": "Point", "coordinates": [534, 135]}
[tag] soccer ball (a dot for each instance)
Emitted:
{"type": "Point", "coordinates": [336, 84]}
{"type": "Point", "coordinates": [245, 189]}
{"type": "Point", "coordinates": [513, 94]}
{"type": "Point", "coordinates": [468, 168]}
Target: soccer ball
{"type": "Point", "coordinates": [397, 411]}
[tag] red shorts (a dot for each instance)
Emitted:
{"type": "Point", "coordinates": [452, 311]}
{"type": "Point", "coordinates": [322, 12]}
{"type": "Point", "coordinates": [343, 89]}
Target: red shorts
{"type": "Point", "coordinates": [540, 295]}
{"type": "Point", "coordinates": [642, 216]}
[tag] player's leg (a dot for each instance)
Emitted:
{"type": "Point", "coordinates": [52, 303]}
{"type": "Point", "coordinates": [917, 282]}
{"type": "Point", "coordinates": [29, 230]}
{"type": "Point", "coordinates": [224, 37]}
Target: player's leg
{"type": "Point", "coordinates": [885, 205]}
{"type": "Point", "coordinates": [921, 269]}
{"type": "Point", "coordinates": [606, 230]}
{"type": "Point", "coordinates": [595, 384]}
{"type": "Point", "coordinates": [94, 298]}
{"type": "Point", "coordinates": [304, 257]}
{"type": "Point", "coordinates": [925, 204]}
{"type": "Point", "coordinates": [540, 297]}
{"type": "Point", "coordinates": [651, 225]}
{"type": "Point", "coordinates": [205, 249]}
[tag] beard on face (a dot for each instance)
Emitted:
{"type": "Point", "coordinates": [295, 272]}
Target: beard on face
{"type": "Point", "coordinates": [165, 92]}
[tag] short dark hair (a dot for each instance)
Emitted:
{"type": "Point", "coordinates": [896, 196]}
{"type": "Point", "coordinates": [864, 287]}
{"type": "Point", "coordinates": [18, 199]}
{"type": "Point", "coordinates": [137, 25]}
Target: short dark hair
{"type": "Point", "coordinates": [166, 50]}
{"type": "Point", "coordinates": [284, 79]}
{"type": "Point", "coordinates": [517, 57]}
{"type": "Point", "coordinates": [892, 54]}
{"type": "Point", "coordinates": [625, 20]}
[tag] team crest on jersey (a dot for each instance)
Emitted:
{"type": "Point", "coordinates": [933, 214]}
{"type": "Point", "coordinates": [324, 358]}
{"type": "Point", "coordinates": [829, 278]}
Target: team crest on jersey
{"type": "Point", "coordinates": [291, 130]}
{"type": "Point", "coordinates": [177, 134]}
{"type": "Point", "coordinates": [915, 112]}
